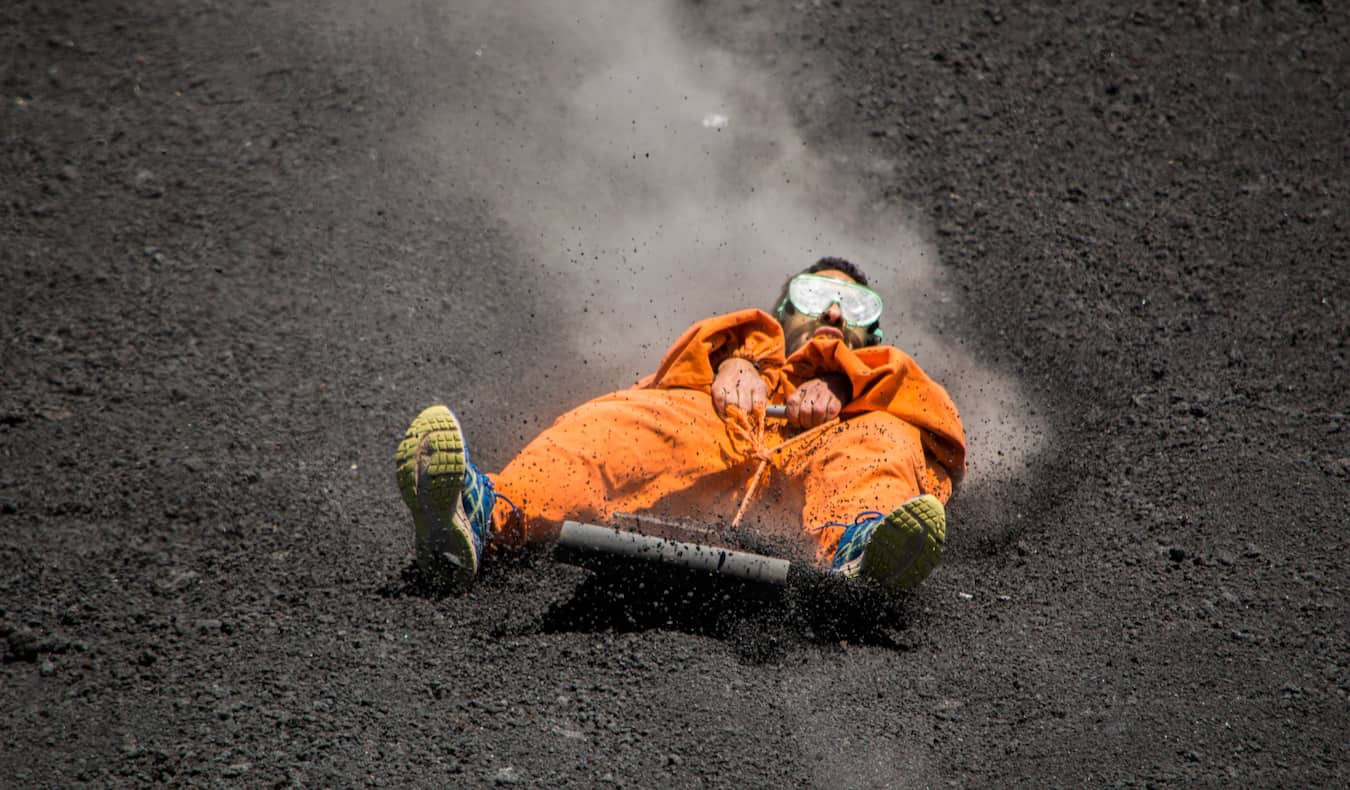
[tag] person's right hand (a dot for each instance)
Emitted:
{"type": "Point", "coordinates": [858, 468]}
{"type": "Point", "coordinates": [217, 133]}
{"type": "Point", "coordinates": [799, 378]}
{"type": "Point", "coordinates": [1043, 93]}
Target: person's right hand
{"type": "Point", "coordinates": [737, 381]}
{"type": "Point", "coordinates": [818, 401]}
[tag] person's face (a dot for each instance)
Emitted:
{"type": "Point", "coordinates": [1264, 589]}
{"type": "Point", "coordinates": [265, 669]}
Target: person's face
{"type": "Point", "coordinates": [799, 328]}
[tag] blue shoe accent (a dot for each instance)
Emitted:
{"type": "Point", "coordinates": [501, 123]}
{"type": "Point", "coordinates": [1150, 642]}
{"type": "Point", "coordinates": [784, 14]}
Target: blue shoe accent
{"type": "Point", "coordinates": [855, 537]}
{"type": "Point", "coordinates": [478, 499]}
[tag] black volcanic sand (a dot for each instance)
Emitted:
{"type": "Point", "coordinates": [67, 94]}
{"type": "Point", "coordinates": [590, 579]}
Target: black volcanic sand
{"type": "Point", "coordinates": [227, 289]}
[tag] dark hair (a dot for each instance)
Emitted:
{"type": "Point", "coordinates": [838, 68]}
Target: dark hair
{"type": "Point", "coordinates": [830, 262]}
{"type": "Point", "coordinates": [838, 264]}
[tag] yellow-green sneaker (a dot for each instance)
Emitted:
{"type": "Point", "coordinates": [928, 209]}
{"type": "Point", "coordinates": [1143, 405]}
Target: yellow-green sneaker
{"type": "Point", "coordinates": [896, 551]}
{"type": "Point", "coordinates": [450, 500]}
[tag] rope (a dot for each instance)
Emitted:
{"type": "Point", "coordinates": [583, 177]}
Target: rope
{"type": "Point", "coordinates": [749, 430]}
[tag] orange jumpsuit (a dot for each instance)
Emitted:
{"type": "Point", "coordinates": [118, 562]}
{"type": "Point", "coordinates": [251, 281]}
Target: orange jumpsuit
{"type": "Point", "coordinates": [660, 448]}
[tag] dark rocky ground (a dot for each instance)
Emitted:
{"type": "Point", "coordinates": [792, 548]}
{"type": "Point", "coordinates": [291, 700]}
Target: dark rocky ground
{"type": "Point", "coordinates": [218, 315]}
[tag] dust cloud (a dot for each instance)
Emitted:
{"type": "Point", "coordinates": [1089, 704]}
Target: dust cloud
{"type": "Point", "coordinates": [653, 180]}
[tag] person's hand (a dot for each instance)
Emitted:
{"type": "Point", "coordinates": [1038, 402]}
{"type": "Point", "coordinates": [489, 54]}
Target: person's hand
{"type": "Point", "coordinates": [737, 381]}
{"type": "Point", "coordinates": [817, 401]}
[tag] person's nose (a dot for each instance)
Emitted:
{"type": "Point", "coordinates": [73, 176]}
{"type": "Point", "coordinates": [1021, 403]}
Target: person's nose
{"type": "Point", "coordinates": [833, 315]}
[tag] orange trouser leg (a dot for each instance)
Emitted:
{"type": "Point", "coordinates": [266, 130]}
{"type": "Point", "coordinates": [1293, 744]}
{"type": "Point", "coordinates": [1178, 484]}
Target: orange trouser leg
{"type": "Point", "coordinates": [872, 462]}
{"type": "Point", "coordinates": [663, 451]}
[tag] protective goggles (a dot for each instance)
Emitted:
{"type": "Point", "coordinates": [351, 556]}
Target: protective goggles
{"type": "Point", "coordinates": [812, 295]}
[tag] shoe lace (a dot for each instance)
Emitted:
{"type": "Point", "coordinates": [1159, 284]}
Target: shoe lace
{"type": "Point", "coordinates": [513, 532]}
{"type": "Point", "coordinates": [862, 518]}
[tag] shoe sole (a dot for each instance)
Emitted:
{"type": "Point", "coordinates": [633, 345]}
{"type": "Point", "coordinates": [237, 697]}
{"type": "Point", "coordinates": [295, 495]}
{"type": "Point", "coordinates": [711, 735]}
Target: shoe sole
{"type": "Point", "coordinates": [907, 545]}
{"type": "Point", "coordinates": [431, 478]}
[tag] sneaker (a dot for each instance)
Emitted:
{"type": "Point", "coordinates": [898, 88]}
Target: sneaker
{"type": "Point", "coordinates": [896, 551]}
{"type": "Point", "coordinates": [450, 500]}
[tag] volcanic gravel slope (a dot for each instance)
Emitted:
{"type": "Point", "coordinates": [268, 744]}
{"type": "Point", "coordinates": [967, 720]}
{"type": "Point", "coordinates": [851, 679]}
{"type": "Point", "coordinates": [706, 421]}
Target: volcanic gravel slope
{"type": "Point", "coordinates": [224, 295]}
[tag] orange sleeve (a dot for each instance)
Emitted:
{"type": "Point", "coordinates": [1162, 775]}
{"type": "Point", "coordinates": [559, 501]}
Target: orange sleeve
{"type": "Point", "coordinates": [691, 362]}
{"type": "Point", "coordinates": [884, 378]}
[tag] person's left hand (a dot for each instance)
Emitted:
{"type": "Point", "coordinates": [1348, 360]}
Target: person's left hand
{"type": "Point", "coordinates": [818, 400]}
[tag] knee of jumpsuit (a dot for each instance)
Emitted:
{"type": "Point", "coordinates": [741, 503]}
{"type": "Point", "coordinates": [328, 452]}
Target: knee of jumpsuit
{"type": "Point", "coordinates": [872, 461]}
{"type": "Point", "coordinates": [618, 453]}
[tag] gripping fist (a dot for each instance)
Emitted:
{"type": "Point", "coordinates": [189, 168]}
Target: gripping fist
{"type": "Point", "coordinates": [817, 401]}
{"type": "Point", "coordinates": [738, 382]}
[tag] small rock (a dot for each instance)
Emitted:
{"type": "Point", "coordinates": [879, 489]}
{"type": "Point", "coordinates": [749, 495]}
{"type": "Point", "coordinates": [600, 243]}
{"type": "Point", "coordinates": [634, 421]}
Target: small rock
{"type": "Point", "coordinates": [235, 769]}
{"type": "Point", "coordinates": [54, 412]}
{"type": "Point", "coordinates": [208, 625]}
{"type": "Point", "coordinates": [147, 184]}
{"type": "Point", "coordinates": [177, 580]}
{"type": "Point", "coordinates": [506, 776]}
{"type": "Point", "coordinates": [46, 668]}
